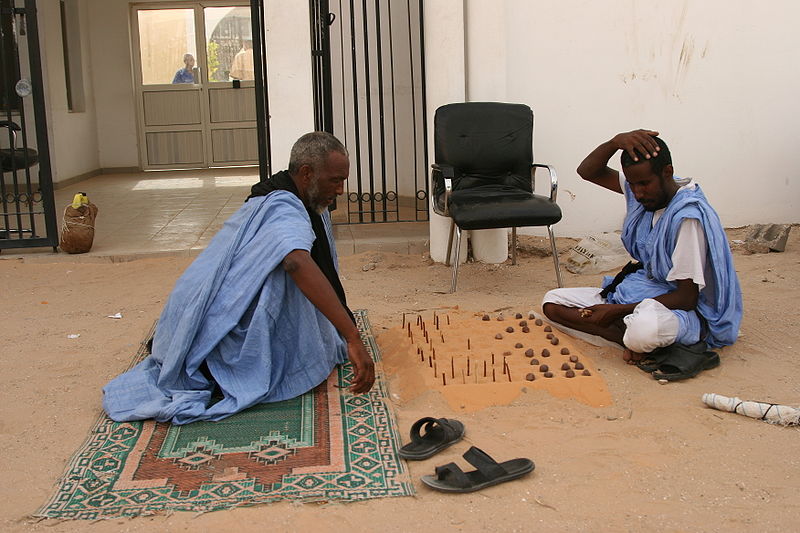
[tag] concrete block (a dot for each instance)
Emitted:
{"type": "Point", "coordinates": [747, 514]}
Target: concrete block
{"type": "Point", "coordinates": [764, 238]}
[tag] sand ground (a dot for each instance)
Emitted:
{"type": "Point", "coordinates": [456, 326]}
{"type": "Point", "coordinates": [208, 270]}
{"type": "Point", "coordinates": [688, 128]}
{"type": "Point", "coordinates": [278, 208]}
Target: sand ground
{"type": "Point", "coordinates": [656, 459]}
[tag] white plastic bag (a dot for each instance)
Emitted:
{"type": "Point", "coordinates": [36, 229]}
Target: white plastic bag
{"type": "Point", "coordinates": [597, 253]}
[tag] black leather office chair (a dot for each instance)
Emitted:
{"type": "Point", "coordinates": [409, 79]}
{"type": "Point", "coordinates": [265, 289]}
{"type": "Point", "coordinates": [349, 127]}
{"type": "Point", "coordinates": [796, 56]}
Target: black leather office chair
{"type": "Point", "coordinates": [484, 174]}
{"type": "Point", "coordinates": [13, 160]}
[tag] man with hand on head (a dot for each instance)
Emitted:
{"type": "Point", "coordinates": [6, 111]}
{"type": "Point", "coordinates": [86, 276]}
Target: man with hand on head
{"type": "Point", "coordinates": [683, 291]}
{"type": "Point", "coordinates": [260, 314]}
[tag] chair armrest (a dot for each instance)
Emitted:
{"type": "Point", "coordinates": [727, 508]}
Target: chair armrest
{"type": "Point", "coordinates": [443, 183]}
{"type": "Point", "coordinates": [553, 179]}
{"type": "Point", "coordinates": [9, 124]}
{"type": "Point", "coordinates": [13, 127]}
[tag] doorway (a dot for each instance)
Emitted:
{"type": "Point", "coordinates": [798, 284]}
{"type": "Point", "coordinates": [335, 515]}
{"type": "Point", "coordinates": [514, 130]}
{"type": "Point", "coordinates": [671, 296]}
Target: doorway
{"type": "Point", "coordinates": [195, 93]}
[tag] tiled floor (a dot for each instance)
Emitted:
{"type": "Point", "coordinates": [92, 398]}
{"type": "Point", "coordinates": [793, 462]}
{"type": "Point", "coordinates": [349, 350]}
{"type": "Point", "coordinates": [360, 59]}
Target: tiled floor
{"type": "Point", "coordinates": [180, 211]}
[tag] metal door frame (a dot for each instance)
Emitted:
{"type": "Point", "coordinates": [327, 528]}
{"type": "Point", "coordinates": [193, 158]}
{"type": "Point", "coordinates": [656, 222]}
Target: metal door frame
{"type": "Point", "coordinates": [25, 201]}
{"type": "Point", "coordinates": [374, 190]}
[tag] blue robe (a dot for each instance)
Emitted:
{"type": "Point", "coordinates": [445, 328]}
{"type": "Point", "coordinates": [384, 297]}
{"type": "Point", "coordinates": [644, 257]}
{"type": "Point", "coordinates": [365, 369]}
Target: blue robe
{"type": "Point", "coordinates": [720, 301]}
{"type": "Point", "coordinates": [238, 310]}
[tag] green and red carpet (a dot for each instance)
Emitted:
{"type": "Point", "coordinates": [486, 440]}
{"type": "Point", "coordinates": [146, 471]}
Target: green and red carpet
{"type": "Point", "coordinates": [325, 445]}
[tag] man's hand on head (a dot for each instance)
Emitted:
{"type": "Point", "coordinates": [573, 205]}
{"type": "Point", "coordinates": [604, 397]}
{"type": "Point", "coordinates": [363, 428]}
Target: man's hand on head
{"type": "Point", "coordinates": [637, 142]}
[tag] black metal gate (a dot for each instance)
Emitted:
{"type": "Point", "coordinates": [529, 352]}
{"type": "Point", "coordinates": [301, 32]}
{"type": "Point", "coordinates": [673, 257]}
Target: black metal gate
{"type": "Point", "coordinates": [27, 208]}
{"type": "Point", "coordinates": [369, 90]}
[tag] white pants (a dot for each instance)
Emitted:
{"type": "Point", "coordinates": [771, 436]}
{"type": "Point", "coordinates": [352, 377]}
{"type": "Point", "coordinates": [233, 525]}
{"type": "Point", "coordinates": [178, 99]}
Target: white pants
{"type": "Point", "coordinates": [650, 326]}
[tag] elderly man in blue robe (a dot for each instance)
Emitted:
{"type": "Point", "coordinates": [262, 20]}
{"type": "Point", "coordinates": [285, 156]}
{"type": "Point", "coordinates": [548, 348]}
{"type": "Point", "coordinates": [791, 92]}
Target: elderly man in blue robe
{"type": "Point", "coordinates": [261, 314]}
{"type": "Point", "coordinates": [682, 296]}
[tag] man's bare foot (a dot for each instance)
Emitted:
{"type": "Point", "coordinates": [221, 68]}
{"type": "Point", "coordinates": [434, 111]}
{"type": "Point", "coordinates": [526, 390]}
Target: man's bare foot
{"type": "Point", "coordinates": [632, 357]}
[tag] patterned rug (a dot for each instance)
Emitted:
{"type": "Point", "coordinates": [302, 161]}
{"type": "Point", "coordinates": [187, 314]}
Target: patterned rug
{"type": "Point", "coordinates": [325, 445]}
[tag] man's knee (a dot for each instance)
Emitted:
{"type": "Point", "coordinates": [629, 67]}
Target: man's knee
{"type": "Point", "coordinates": [640, 335]}
{"type": "Point", "coordinates": [650, 326]}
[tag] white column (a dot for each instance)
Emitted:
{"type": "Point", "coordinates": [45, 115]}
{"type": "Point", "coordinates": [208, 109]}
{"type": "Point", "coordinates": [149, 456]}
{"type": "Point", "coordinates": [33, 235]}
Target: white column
{"type": "Point", "coordinates": [444, 84]}
{"type": "Point", "coordinates": [446, 60]}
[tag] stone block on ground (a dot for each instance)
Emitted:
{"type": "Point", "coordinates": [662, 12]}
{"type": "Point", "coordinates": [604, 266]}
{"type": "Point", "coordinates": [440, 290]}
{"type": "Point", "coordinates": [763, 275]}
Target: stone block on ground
{"type": "Point", "coordinates": [764, 238]}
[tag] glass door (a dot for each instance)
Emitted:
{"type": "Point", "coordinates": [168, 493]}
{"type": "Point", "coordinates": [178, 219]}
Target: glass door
{"type": "Point", "coordinates": [194, 88]}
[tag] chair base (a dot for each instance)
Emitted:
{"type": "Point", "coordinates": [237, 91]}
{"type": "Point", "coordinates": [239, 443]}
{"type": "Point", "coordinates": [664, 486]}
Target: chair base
{"type": "Point", "coordinates": [455, 229]}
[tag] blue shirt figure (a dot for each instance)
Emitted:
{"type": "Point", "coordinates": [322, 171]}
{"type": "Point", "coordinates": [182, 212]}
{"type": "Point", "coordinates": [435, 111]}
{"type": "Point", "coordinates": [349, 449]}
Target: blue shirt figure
{"type": "Point", "coordinates": [186, 74]}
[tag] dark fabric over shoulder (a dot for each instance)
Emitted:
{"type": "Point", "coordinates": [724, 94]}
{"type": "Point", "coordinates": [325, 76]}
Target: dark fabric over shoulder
{"type": "Point", "coordinates": [321, 249]}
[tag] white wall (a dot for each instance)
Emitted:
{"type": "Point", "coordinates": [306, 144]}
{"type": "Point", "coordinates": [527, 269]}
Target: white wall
{"type": "Point", "coordinates": [109, 37]}
{"type": "Point", "coordinates": [291, 97]}
{"type": "Point", "coordinates": [718, 79]}
{"type": "Point", "coordinates": [72, 136]}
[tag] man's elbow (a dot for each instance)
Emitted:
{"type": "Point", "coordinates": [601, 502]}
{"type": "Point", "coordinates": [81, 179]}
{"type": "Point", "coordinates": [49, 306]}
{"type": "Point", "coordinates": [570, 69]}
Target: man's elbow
{"type": "Point", "coordinates": [293, 261]}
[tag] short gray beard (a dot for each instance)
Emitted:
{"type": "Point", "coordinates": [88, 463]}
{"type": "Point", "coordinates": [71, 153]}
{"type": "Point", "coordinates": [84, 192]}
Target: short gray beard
{"type": "Point", "coordinates": [313, 194]}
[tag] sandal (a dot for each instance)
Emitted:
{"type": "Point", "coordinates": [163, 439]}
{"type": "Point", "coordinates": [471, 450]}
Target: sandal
{"type": "Point", "coordinates": [654, 359]}
{"type": "Point", "coordinates": [439, 433]}
{"type": "Point", "coordinates": [684, 362]}
{"type": "Point", "coordinates": [450, 478]}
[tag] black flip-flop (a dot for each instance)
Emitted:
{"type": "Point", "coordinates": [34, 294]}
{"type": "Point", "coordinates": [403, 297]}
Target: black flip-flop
{"type": "Point", "coordinates": [431, 435]}
{"type": "Point", "coordinates": [450, 477]}
{"type": "Point", "coordinates": [686, 362]}
{"type": "Point", "coordinates": [659, 356]}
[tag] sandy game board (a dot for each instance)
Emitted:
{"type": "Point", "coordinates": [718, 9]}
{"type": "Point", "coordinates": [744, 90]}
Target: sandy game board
{"type": "Point", "coordinates": [481, 359]}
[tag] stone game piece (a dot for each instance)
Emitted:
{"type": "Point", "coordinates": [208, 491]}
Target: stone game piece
{"type": "Point", "coordinates": [545, 353]}
{"type": "Point", "coordinates": [510, 329]}
{"type": "Point", "coordinates": [569, 374]}
{"type": "Point", "coordinates": [518, 316]}
{"type": "Point", "coordinates": [523, 323]}
{"type": "Point", "coordinates": [526, 329]}
{"type": "Point", "coordinates": [529, 352]}
{"type": "Point", "coordinates": [531, 316]}
{"type": "Point", "coordinates": [548, 374]}
{"type": "Point", "coordinates": [538, 322]}
{"type": "Point", "coordinates": [586, 373]}
{"type": "Point", "coordinates": [554, 341]}
{"type": "Point", "coordinates": [530, 376]}
{"type": "Point", "coordinates": [500, 317]}
{"type": "Point", "coordinates": [486, 318]}
{"type": "Point", "coordinates": [572, 358]}
{"type": "Point", "coordinates": [565, 351]}
{"type": "Point", "coordinates": [565, 366]}
{"type": "Point", "coordinates": [549, 336]}
{"type": "Point", "coordinates": [498, 336]}
{"type": "Point", "coordinates": [518, 345]}
{"type": "Point", "coordinates": [544, 368]}
{"type": "Point", "coordinates": [578, 366]}
{"type": "Point", "coordinates": [534, 361]}
{"type": "Point", "coordinates": [548, 328]}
